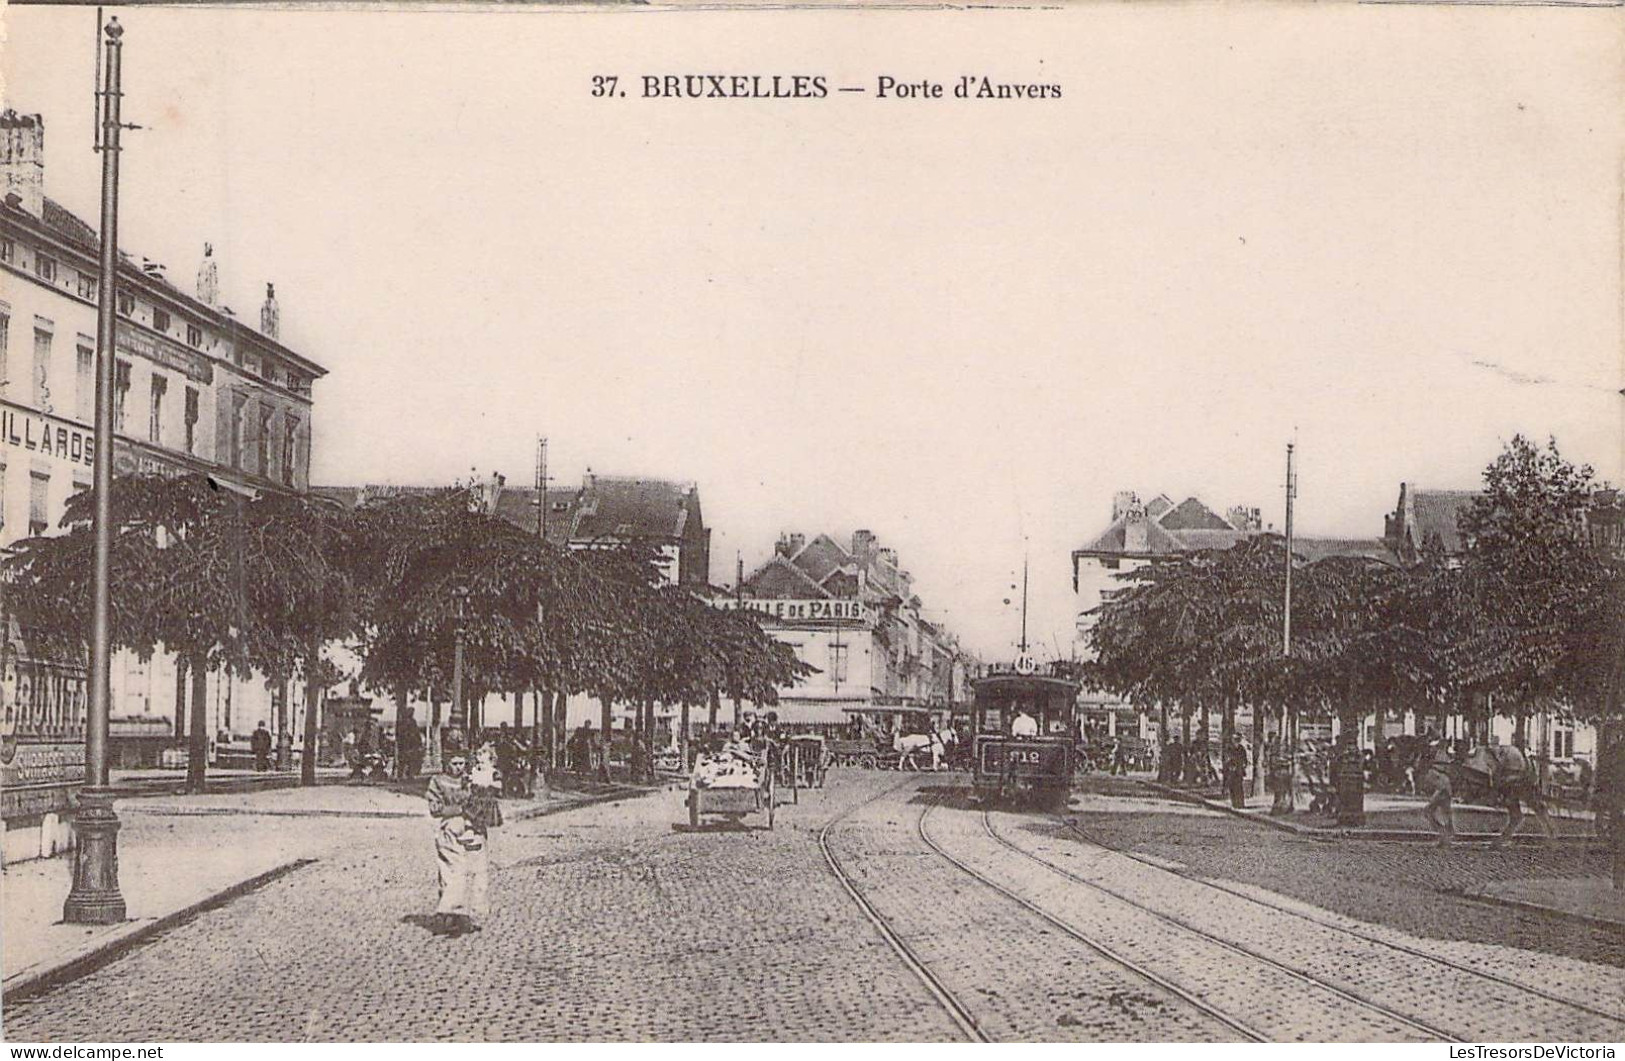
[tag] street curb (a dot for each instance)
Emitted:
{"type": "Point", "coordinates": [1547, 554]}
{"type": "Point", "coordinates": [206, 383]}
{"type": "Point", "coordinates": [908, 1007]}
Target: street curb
{"type": "Point", "coordinates": [1607, 924]}
{"type": "Point", "coordinates": [628, 792]}
{"type": "Point", "coordinates": [34, 984]}
{"type": "Point", "coordinates": [1328, 835]}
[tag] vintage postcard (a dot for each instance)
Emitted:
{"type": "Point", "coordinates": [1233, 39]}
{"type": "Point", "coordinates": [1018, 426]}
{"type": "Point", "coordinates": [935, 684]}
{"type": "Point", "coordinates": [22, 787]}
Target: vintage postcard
{"type": "Point", "coordinates": [925, 523]}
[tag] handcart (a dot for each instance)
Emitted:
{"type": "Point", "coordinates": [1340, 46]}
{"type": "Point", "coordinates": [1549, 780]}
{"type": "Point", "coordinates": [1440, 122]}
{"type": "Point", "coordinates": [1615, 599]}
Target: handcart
{"type": "Point", "coordinates": [728, 800]}
{"type": "Point", "coordinates": [809, 760]}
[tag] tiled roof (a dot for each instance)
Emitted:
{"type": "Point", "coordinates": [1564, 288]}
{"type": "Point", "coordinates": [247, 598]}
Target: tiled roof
{"type": "Point", "coordinates": [1313, 549]}
{"type": "Point", "coordinates": [1191, 514]}
{"type": "Point", "coordinates": [1436, 514]}
{"type": "Point", "coordinates": [517, 505]}
{"type": "Point", "coordinates": [66, 224]}
{"type": "Point", "coordinates": [615, 507]}
{"type": "Point", "coordinates": [779, 579]}
{"type": "Point", "coordinates": [821, 557]}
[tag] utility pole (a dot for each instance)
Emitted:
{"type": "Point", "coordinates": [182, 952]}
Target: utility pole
{"type": "Point", "coordinates": [1285, 767]}
{"type": "Point", "coordinates": [739, 602]}
{"type": "Point", "coordinates": [95, 898]}
{"type": "Point", "coordinates": [1024, 604]}
{"type": "Point", "coordinates": [541, 727]}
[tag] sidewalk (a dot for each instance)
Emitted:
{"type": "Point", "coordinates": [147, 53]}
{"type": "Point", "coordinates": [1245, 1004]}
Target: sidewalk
{"type": "Point", "coordinates": [1388, 817]}
{"type": "Point", "coordinates": [1593, 901]}
{"type": "Point", "coordinates": [177, 859]}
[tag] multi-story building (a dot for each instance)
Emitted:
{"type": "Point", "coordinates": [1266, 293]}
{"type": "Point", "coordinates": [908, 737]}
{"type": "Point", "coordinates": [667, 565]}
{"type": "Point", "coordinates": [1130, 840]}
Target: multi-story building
{"type": "Point", "coordinates": [853, 615]}
{"type": "Point", "coordinates": [1144, 532]}
{"type": "Point", "coordinates": [603, 512]}
{"type": "Point", "coordinates": [197, 390]}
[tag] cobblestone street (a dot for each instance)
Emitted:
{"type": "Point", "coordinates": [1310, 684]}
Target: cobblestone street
{"type": "Point", "coordinates": [617, 922]}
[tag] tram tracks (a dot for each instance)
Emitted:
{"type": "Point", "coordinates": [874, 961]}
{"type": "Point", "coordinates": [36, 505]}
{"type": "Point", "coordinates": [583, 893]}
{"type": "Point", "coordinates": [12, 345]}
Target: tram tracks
{"type": "Point", "coordinates": [1350, 997]}
{"type": "Point", "coordinates": [950, 1003]}
{"type": "Point", "coordinates": [1618, 1019]}
{"type": "Point", "coordinates": [1119, 994]}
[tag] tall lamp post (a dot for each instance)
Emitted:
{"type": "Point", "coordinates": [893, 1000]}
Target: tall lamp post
{"type": "Point", "coordinates": [459, 710]}
{"type": "Point", "coordinates": [94, 898]}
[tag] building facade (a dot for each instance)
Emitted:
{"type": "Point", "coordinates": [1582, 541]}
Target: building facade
{"type": "Point", "coordinates": [852, 614]}
{"type": "Point", "coordinates": [196, 390]}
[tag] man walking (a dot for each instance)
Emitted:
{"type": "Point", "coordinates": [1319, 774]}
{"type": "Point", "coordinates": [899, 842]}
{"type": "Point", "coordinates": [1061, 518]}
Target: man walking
{"type": "Point", "coordinates": [261, 745]}
{"type": "Point", "coordinates": [1235, 771]}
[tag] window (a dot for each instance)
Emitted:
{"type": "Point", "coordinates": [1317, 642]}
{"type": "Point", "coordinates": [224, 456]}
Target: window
{"type": "Point", "coordinates": [191, 419]}
{"type": "Point", "coordinates": [45, 268]}
{"type": "Point", "coordinates": [39, 487]}
{"type": "Point", "coordinates": [160, 319]}
{"type": "Point", "coordinates": [837, 663]}
{"type": "Point", "coordinates": [121, 391]}
{"type": "Point", "coordinates": [262, 442]}
{"type": "Point", "coordinates": [290, 447]}
{"type": "Point", "coordinates": [194, 336]}
{"type": "Point", "coordinates": [270, 372]}
{"type": "Point", "coordinates": [88, 286]}
{"type": "Point", "coordinates": [42, 369]}
{"type": "Point", "coordinates": [155, 414]}
{"type": "Point", "coordinates": [126, 304]}
{"type": "Point", "coordinates": [238, 425]}
{"type": "Point", "coordinates": [85, 383]}
{"type": "Point", "coordinates": [8, 251]}
{"type": "Point", "coordinates": [5, 344]}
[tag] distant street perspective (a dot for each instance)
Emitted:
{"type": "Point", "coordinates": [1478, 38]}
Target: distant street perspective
{"type": "Point", "coordinates": [499, 544]}
{"type": "Point", "coordinates": [881, 906]}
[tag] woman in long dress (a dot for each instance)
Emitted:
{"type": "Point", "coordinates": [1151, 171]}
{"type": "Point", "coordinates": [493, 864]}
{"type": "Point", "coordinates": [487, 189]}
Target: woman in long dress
{"type": "Point", "coordinates": [459, 849]}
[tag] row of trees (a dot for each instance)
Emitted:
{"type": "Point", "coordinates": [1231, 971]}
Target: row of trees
{"type": "Point", "coordinates": [242, 585]}
{"type": "Point", "coordinates": [1532, 613]}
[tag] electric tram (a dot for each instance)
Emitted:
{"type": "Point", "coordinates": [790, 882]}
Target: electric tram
{"type": "Point", "coordinates": [1036, 764]}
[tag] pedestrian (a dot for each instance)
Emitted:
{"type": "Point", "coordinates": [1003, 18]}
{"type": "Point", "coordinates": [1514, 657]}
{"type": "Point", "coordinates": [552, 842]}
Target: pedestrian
{"type": "Point", "coordinates": [260, 742]}
{"type": "Point", "coordinates": [352, 753]}
{"type": "Point", "coordinates": [582, 748]}
{"type": "Point", "coordinates": [1174, 759]}
{"type": "Point", "coordinates": [460, 849]}
{"type": "Point", "coordinates": [1235, 771]}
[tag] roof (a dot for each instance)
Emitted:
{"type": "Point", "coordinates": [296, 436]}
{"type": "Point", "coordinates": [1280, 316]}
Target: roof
{"type": "Point", "coordinates": [1313, 549]}
{"type": "Point", "coordinates": [63, 224]}
{"type": "Point", "coordinates": [780, 579]}
{"type": "Point", "coordinates": [1191, 514]}
{"type": "Point", "coordinates": [517, 505]}
{"type": "Point", "coordinates": [821, 557]}
{"type": "Point", "coordinates": [617, 507]}
{"type": "Point", "coordinates": [1436, 513]}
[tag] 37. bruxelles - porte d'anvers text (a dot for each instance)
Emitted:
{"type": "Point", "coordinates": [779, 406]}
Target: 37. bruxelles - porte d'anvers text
{"type": "Point", "coordinates": [816, 86]}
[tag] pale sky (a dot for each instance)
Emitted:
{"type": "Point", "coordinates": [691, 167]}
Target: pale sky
{"type": "Point", "coordinates": [961, 325]}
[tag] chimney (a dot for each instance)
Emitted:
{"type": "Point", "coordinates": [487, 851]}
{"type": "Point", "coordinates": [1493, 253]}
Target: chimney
{"type": "Point", "coordinates": [1246, 520]}
{"type": "Point", "coordinates": [790, 544]}
{"type": "Point", "coordinates": [270, 314]}
{"type": "Point", "coordinates": [208, 278]}
{"type": "Point", "coordinates": [863, 546]}
{"type": "Point", "coordinates": [22, 159]}
{"type": "Point", "coordinates": [1136, 529]}
{"type": "Point", "coordinates": [889, 556]}
{"type": "Point", "coordinates": [1122, 501]}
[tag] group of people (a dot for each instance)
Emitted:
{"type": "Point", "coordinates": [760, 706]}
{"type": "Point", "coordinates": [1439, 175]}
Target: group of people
{"type": "Point", "coordinates": [1192, 764]}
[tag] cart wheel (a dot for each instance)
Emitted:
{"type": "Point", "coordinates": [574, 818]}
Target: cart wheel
{"type": "Point", "coordinates": [869, 762]}
{"type": "Point", "coordinates": [693, 811]}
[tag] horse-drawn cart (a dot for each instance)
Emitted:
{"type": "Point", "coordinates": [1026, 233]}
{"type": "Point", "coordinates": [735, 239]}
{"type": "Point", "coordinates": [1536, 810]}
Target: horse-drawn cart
{"type": "Point", "coordinates": [730, 786]}
{"type": "Point", "coordinates": [861, 752]}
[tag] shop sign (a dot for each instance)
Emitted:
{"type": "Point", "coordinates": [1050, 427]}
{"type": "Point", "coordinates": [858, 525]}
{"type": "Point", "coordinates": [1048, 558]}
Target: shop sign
{"type": "Point", "coordinates": [843, 610]}
{"type": "Point", "coordinates": [45, 435]}
{"type": "Point", "coordinates": [42, 734]}
{"type": "Point", "coordinates": [164, 352]}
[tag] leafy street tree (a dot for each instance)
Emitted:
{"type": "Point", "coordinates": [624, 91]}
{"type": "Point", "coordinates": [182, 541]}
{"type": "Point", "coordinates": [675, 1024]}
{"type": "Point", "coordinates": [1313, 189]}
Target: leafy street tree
{"type": "Point", "coordinates": [179, 583]}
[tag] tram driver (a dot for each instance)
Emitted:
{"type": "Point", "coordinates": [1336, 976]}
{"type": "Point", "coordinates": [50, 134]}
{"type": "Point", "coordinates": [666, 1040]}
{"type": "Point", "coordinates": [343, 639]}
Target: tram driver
{"type": "Point", "coordinates": [1023, 725]}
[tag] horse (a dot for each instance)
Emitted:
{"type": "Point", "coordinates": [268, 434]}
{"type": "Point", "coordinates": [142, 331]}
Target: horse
{"type": "Point", "coordinates": [1498, 775]}
{"type": "Point", "coordinates": [911, 745]}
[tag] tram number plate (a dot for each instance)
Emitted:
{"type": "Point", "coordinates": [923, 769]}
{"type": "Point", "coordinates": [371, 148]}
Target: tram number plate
{"type": "Point", "coordinates": [1025, 759]}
